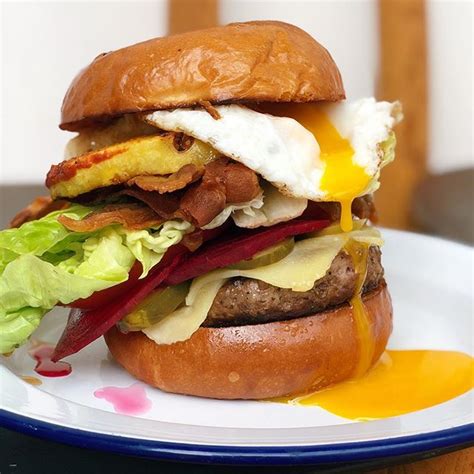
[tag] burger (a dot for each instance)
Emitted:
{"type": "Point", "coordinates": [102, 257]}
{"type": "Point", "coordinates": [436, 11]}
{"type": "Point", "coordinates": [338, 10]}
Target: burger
{"type": "Point", "coordinates": [212, 218]}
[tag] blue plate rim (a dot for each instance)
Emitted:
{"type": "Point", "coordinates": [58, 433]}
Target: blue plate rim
{"type": "Point", "coordinates": [241, 455]}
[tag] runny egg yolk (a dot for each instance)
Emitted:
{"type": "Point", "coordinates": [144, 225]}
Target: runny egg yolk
{"type": "Point", "coordinates": [401, 381]}
{"type": "Point", "coordinates": [342, 180]}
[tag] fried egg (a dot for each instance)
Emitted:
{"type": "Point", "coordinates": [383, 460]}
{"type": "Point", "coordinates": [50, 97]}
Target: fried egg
{"type": "Point", "coordinates": [322, 152]}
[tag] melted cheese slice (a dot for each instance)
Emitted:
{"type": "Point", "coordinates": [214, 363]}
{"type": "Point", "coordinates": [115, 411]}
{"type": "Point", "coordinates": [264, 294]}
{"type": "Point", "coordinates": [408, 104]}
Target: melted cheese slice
{"type": "Point", "coordinates": [308, 262]}
{"type": "Point", "coordinates": [184, 322]}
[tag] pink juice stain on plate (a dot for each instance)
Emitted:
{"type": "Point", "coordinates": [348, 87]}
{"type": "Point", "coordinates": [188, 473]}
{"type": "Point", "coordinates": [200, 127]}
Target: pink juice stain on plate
{"type": "Point", "coordinates": [44, 365]}
{"type": "Point", "coordinates": [126, 400]}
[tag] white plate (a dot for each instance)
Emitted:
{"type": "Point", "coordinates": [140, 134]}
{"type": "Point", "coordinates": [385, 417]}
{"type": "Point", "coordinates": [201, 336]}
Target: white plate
{"type": "Point", "coordinates": [431, 285]}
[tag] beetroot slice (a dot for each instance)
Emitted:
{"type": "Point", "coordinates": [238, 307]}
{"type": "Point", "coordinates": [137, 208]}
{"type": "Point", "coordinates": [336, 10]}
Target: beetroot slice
{"type": "Point", "coordinates": [84, 327]}
{"type": "Point", "coordinates": [226, 252]}
{"type": "Point", "coordinates": [177, 265]}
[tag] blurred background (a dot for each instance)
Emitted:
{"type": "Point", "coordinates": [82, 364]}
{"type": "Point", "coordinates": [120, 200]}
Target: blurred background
{"type": "Point", "coordinates": [414, 50]}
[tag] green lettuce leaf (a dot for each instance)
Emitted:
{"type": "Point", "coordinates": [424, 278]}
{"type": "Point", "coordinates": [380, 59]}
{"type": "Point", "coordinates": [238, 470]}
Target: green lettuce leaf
{"type": "Point", "coordinates": [388, 149]}
{"type": "Point", "coordinates": [148, 247]}
{"type": "Point", "coordinates": [42, 264]}
{"type": "Point", "coordinates": [17, 326]}
{"type": "Point", "coordinates": [37, 237]}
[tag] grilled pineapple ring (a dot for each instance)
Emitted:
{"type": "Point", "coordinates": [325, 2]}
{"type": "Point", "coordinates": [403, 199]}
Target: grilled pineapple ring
{"type": "Point", "coordinates": [116, 164]}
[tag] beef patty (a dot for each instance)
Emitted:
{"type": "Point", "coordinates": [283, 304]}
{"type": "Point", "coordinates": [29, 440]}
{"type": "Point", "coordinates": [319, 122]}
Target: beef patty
{"type": "Point", "coordinates": [243, 301]}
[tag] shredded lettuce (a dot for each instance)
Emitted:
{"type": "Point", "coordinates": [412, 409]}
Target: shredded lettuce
{"type": "Point", "coordinates": [42, 264]}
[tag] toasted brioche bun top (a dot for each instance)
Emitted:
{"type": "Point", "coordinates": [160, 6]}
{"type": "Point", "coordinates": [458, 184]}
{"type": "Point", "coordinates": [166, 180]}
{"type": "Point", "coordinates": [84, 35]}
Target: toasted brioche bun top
{"type": "Point", "coordinates": [248, 62]}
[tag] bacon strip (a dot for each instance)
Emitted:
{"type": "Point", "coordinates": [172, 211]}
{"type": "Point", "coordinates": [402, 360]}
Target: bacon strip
{"type": "Point", "coordinates": [39, 208]}
{"type": "Point", "coordinates": [203, 202]}
{"type": "Point", "coordinates": [223, 183]}
{"type": "Point", "coordinates": [210, 109]}
{"type": "Point", "coordinates": [165, 205]}
{"type": "Point", "coordinates": [362, 207]}
{"type": "Point", "coordinates": [131, 216]}
{"type": "Point", "coordinates": [167, 184]}
{"type": "Point", "coordinates": [193, 240]}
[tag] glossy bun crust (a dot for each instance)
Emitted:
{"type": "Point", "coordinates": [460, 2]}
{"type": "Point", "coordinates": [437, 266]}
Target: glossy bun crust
{"type": "Point", "coordinates": [249, 62]}
{"type": "Point", "coordinates": [258, 361]}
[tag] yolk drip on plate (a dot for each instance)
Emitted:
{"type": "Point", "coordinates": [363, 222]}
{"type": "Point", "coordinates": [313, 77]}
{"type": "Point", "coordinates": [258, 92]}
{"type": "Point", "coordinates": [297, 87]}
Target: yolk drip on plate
{"type": "Point", "coordinates": [401, 382]}
{"type": "Point", "coordinates": [342, 180]}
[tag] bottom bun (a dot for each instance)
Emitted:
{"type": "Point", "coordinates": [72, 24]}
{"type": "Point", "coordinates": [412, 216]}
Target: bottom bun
{"type": "Point", "coordinates": [257, 361]}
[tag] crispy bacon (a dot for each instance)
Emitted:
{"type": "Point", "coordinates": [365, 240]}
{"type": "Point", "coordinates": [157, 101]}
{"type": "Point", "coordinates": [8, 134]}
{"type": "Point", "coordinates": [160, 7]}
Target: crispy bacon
{"type": "Point", "coordinates": [167, 184]}
{"type": "Point", "coordinates": [39, 208]}
{"type": "Point", "coordinates": [223, 183]}
{"type": "Point", "coordinates": [241, 183]}
{"type": "Point", "coordinates": [131, 216]}
{"type": "Point", "coordinates": [210, 109]}
{"type": "Point", "coordinates": [193, 240]}
{"type": "Point", "coordinates": [181, 141]}
{"type": "Point", "coordinates": [203, 202]}
{"type": "Point", "coordinates": [165, 205]}
{"type": "Point", "coordinates": [362, 207]}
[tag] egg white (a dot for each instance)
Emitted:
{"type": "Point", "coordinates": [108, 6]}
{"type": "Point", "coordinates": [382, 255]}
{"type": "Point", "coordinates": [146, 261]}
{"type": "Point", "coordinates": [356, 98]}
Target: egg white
{"type": "Point", "coordinates": [366, 123]}
{"type": "Point", "coordinates": [280, 149]}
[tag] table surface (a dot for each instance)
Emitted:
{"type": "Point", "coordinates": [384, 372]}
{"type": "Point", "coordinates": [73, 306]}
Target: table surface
{"type": "Point", "coordinates": [21, 454]}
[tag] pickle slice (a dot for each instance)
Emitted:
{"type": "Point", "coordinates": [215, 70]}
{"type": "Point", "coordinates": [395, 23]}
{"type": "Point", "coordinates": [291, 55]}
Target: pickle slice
{"type": "Point", "coordinates": [266, 257]}
{"type": "Point", "coordinates": [155, 307]}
